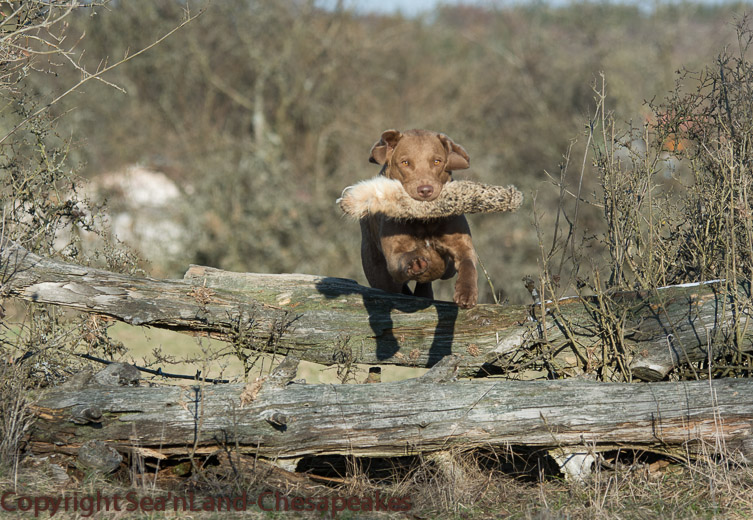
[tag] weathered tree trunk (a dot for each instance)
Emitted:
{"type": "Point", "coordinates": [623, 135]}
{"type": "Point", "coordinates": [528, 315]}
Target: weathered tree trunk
{"type": "Point", "coordinates": [394, 419]}
{"type": "Point", "coordinates": [326, 320]}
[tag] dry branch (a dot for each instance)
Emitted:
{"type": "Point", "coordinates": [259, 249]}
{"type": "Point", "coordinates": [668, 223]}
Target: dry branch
{"type": "Point", "coordinates": [395, 419]}
{"type": "Point", "coordinates": [326, 319]}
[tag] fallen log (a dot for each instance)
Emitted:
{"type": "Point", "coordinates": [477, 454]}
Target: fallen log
{"type": "Point", "coordinates": [288, 420]}
{"type": "Point", "coordinates": [326, 319]}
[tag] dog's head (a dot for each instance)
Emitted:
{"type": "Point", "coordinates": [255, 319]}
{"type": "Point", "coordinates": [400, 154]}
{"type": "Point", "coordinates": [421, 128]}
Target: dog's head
{"type": "Point", "coordinates": [423, 161]}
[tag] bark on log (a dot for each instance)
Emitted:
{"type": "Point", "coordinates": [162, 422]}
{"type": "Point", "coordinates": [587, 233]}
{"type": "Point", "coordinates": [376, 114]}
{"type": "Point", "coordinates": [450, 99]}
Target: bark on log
{"type": "Point", "coordinates": [326, 319]}
{"type": "Point", "coordinates": [395, 419]}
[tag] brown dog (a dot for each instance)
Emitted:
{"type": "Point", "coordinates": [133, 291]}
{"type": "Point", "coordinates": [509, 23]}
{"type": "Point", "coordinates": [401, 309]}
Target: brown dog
{"type": "Point", "coordinates": [394, 252]}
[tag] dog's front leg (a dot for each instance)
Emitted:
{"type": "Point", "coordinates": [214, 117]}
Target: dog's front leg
{"type": "Point", "coordinates": [406, 255]}
{"type": "Point", "coordinates": [466, 286]}
{"type": "Point", "coordinates": [456, 244]}
{"type": "Point", "coordinates": [407, 263]}
{"type": "Point", "coordinates": [464, 257]}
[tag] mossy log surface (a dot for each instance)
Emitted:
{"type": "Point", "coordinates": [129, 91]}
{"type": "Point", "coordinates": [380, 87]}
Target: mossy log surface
{"type": "Point", "coordinates": [395, 419]}
{"type": "Point", "coordinates": [327, 319]}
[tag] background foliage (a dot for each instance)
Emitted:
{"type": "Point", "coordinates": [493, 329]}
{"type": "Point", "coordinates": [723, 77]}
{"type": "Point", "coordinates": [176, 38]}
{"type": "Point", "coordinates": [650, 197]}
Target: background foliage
{"type": "Point", "coordinates": [263, 111]}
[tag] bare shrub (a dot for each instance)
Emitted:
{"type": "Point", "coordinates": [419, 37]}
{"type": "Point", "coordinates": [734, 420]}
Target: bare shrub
{"type": "Point", "coordinates": [674, 196]}
{"type": "Point", "coordinates": [41, 203]}
{"type": "Point", "coordinates": [15, 414]}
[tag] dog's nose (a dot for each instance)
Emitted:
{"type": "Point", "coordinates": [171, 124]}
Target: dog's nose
{"type": "Point", "coordinates": [425, 191]}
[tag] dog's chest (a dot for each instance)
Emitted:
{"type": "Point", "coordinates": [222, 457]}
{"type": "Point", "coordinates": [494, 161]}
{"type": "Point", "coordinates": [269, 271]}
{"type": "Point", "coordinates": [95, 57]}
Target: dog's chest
{"type": "Point", "coordinates": [428, 232]}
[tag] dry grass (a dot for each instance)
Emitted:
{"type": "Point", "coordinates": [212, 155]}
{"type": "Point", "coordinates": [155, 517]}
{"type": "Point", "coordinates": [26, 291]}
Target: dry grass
{"type": "Point", "coordinates": [473, 485]}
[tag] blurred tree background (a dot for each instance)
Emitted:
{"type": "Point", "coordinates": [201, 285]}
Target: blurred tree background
{"type": "Point", "coordinates": [262, 111]}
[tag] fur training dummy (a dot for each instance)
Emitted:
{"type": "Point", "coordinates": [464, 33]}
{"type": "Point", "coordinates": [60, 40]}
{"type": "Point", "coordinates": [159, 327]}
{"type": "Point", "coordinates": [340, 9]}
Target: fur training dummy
{"type": "Point", "coordinates": [387, 197]}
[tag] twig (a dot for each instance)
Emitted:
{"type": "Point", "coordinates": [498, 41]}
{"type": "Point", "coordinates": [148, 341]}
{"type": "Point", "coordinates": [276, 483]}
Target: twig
{"type": "Point", "coordinates": [159, 371]}
{"type": "Point", "coordinates": [488, 279]}
{"type": "Point", "coordinates": [99, 73]}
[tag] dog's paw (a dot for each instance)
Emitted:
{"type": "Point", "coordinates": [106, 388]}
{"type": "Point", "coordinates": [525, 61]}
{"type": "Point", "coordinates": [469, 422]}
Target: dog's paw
{"type": "Point", "coordinates": [466, 295]}
{"type": "Point", "coordinates": [416, 266]}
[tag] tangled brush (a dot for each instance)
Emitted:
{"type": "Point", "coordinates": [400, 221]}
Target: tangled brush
{"type": "Point", "coordinates": [384, 196]}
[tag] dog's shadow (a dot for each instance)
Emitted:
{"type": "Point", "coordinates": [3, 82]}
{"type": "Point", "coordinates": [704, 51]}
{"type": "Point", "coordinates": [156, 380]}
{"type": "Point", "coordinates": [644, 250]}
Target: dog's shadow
{"type": "Point", "coordinates": [380, 306]}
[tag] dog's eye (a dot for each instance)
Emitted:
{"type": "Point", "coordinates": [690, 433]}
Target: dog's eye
{"type": "Point", "coordinates": [405, 163]}
{"type": "Point", "coordinates": [437, 162]}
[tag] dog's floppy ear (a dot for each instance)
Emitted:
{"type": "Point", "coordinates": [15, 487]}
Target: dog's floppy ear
{"type": "Point", "coordinates": [457, 157]}
{"type": "Point", "coordinates": [382, 149]}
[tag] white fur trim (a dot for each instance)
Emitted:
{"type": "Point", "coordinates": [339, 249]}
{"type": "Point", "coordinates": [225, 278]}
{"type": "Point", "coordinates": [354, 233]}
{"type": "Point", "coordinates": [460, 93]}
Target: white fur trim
{"type": "Point", "coordinates": [369, 196]}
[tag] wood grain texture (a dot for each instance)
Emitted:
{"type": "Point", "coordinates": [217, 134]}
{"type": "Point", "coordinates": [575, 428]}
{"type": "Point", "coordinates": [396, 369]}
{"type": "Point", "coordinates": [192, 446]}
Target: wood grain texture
{"type": "Point", "coordinates": [394, 419]}
{"type": "Point", "coordinates": [321, 319]}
